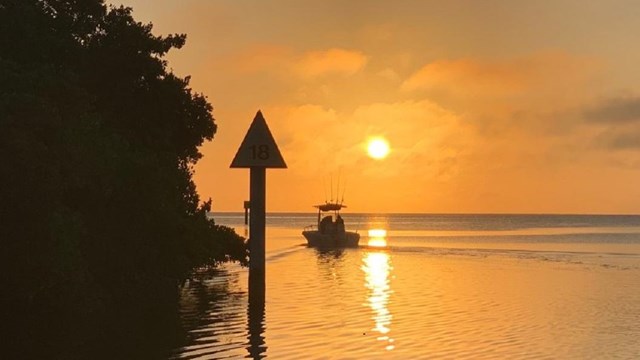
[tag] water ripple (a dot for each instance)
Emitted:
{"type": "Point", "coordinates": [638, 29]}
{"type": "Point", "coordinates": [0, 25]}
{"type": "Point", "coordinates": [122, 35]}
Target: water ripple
{"type": "Point", "coordinates": [418, 302]}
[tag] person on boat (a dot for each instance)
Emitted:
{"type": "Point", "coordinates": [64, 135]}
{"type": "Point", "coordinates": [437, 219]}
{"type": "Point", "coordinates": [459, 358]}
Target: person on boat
{"type": "Point", "coordinates": [339, 224]}
{"type": "Point", "coordinates": [326, 224]}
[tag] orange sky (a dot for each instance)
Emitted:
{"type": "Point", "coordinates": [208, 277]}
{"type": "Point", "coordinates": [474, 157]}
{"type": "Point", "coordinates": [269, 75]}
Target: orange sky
{"type": "Point", "coordinates": [489, 106]}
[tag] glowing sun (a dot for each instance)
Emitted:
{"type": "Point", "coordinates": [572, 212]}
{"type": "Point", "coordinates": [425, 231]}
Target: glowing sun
{"type": "Point", "coordinates": [378, 148]}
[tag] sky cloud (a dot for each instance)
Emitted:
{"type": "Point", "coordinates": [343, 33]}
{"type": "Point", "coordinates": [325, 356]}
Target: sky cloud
{"type": "Point", "coordinates": [535, 75]}
{"type": "Point", "coordinates": [278, 59]}
{"type": "Point", "coordinates": [626, 140]}
{"type": "Point", "coordinates": [618, 137]}
{"type": "Point", "coordinates": [617, 121]}
{"type": "Point", "coordinates": [616, 110]}
{"type": "Point", "coordinates": [536, 94]}
{"type": "Point", "coordinates": [476, 77]}
{"type": "Point", "coordinates": [332, 61]}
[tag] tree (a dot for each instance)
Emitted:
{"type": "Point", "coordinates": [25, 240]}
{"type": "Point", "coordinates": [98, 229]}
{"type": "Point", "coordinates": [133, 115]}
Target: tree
{"type": "Point", "coordinates": [100, 216]}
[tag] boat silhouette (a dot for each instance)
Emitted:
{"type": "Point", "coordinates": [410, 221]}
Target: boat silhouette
{"type": "Point", "coordinates": [330, 231]}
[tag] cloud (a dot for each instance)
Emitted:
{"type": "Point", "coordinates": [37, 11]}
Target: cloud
{"type": "Point", "coordinates": [626, 140]}
{"type": "Point", "coordinates": [540, 75]}
{"type": "Point", "coordinates": [617, 137]}
{"type": "Point", "coordinates": [616, 122]}
{"type": "Point", "coordinates": [476, 77]}
{"type": "Point", "coordinates": [332, 61]}
{"type": "Point", "coordinates": [284, 62]}
{"type": "Point", "coordinates": [540, 93]}
{"type": "Point", "coordinates": [616, 110]}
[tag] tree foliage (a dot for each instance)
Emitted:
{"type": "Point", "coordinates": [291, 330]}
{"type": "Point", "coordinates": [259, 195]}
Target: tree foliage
{"type": "Point", "coordinates": [100, 216]}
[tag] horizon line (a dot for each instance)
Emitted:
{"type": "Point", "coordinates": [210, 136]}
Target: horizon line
{"type": "Point", "coordinates": [439, 213]}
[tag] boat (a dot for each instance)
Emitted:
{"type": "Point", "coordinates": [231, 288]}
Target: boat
{"type": "Point", "coordinates": [330, 231]}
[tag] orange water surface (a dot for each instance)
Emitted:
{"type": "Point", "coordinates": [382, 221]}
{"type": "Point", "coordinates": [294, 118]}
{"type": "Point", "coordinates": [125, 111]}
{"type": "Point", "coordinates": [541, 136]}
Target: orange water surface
{"type": "Point", "coordinates": [411, 298]}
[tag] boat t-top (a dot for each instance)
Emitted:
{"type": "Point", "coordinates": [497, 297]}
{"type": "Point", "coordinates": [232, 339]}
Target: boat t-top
{"type": "Point", "coordinates": [330, 231]}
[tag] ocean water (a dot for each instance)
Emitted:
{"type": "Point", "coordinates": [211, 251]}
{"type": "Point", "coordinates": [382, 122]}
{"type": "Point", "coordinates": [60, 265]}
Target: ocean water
{"type": "Point", "coordinates": [427, 287]}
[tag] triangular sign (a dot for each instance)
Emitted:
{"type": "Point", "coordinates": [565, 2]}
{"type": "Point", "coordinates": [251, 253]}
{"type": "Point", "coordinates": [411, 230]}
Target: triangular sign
{"type": "Point", "coordinates": [258, 149]}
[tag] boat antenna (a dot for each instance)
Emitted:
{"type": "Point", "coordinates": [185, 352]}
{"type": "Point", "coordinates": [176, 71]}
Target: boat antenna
{"type": "Point", "coordinates": [343, 191]}
{"type": "Point", "coordinates": [331, 188]}
{"type": "Point", "coordinates": [338, 187]}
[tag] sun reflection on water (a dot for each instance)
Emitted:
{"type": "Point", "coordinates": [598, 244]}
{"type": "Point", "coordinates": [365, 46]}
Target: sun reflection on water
{"type": "Point", "coordinates": [377, 238]}
{"type": "Point", "coordinates": [377, 268]}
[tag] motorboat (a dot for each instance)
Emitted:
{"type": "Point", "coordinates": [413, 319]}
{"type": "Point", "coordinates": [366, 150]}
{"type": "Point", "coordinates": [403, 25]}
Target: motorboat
{"type": "Point", "coordinates": [330, 231]}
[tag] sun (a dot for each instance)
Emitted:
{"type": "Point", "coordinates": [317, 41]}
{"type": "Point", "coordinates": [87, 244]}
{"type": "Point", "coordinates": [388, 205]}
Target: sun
{"type": "Point", "coordinates": [378, 148]}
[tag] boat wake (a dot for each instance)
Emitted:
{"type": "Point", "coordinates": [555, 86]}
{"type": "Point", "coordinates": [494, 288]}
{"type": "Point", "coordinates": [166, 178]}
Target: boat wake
{"type": "Point", "coordinates": [283, 253]}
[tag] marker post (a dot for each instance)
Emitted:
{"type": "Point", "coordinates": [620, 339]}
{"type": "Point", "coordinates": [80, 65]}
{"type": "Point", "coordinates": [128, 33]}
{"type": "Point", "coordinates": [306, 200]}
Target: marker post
{"type": "Point", "coordinates": [258, 151]}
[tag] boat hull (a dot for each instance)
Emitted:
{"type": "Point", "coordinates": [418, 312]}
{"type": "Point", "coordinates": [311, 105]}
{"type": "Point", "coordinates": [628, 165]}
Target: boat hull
{"type": "Point", "coordinates": [317, 239]}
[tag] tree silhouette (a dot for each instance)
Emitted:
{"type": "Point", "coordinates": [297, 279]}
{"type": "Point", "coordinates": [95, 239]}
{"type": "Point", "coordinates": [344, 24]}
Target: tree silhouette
{"type": "Point", "coordinates": [100, 218]}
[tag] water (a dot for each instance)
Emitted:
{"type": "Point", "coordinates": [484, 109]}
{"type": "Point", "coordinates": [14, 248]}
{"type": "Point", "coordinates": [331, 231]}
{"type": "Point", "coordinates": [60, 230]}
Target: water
{"type": "Point", "coordinates": [428, 286]}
